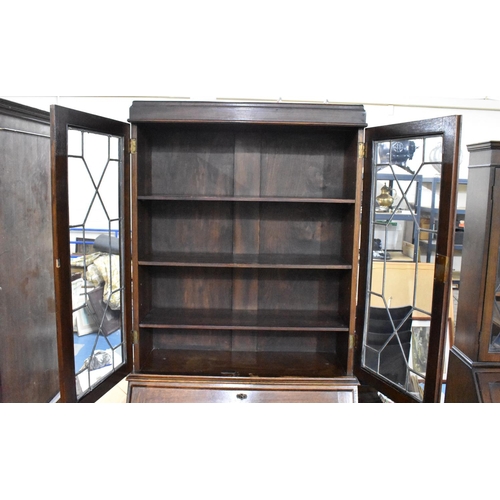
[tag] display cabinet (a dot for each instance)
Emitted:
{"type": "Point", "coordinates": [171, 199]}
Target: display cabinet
{"type": "Point", "coordinates": [474, 366]}
{"type": "Point", "coordinates": [430, 214]}
{"type": "Point", "coordinates": [243, 242]}
{"type": "Point", "coordinates": [245, 230]}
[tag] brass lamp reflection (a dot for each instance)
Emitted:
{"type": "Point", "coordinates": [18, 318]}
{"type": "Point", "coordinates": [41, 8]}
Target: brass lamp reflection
{"type": "Point", "coordinates": [386, 197]}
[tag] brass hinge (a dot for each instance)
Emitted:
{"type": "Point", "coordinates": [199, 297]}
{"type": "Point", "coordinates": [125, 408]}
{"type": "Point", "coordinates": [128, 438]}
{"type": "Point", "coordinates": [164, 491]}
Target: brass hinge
{"type": "Point", "coordinates": [135, 337]}
{"type": "Point", "coordinates": [442, 265]}
{"type": "Point", "coordinates": [133, 146]}
{"type": "Point", "coordinates": [352, 341]}
{"type": "Point", "coordinates": [361, 150]}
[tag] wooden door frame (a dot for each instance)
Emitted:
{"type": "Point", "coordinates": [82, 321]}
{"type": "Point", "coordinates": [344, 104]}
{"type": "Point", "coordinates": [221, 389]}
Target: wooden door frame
{"type": "Point", "coordinates": [449, 128]}
{"type": "Point", "coordinates": [61, 119]}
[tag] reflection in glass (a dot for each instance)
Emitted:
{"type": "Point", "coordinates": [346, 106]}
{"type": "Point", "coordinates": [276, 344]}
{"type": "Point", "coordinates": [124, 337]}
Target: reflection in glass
{"type": "Point", "coordinates": [404, 217]}
{"type": "Point", "coordinates": [94, 234]}
{"type": "Point", "coordinates": [495, 326]}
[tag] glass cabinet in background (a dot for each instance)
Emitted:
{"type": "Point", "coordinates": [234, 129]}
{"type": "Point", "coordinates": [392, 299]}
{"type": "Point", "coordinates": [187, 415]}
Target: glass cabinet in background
{"type": "Point", "coordinates": [474, 369]}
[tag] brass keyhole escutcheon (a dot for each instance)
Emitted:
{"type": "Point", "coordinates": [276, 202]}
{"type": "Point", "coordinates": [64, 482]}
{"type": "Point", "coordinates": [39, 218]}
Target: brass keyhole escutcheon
{"type": "Point", "coordinates": [241, 396]}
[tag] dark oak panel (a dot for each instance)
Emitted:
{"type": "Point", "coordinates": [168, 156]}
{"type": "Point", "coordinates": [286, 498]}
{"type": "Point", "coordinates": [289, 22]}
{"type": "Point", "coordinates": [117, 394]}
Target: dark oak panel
{"type": "Point", "coordinates": [28, 341]}
{"type": "Point", "coordinates": [307, 164]}
{"type": "Point", "coordinates": [185, 227]}
{"type": "Point", "coordinates": [279, 290]}
{"type": "Point", "coordinates": [243, 112]}
{"type": "Point", "coordinates": [234, 161]}
{"type": "Point", "coordinates": [192, 162]}
{"type": "Point", "coordinates": [230, 363]}
{"type": "Point", "coordinates": [179, 389]}
{"type": "Point", "coordinates": [287, 231]}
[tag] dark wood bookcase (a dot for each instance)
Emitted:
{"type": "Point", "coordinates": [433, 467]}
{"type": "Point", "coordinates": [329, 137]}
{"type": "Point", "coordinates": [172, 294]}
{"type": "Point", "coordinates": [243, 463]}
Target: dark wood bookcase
{"type": "Point", "coordinates": [240, 248]}
{"type": "Point", "coordinates": [245, 250]}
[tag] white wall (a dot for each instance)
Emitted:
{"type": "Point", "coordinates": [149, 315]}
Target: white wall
{"type": "Point", "coordinates": [402, 60]}
{"type": "Point", "coordinates": [478, 125]}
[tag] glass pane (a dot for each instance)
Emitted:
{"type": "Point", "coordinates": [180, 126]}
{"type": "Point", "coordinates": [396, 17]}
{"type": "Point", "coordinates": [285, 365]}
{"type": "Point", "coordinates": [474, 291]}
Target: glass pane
{"type": "Point", "coordinates": [403, 225]}
{"type": "Point", "coordinates": [94, 167]}
{"type": "Point", "coordinates": [495, 321]}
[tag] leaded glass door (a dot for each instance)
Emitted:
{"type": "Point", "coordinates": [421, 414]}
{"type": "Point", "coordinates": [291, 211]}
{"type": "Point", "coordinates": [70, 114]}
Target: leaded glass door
{"type": "Point", "coordinates": [409, 205]}
{"type": "Point", "coordinates": [91, 228]}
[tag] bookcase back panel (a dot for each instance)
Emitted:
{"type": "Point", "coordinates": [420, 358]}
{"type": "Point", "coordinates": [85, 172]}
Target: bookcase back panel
{"type": "Point", "coordinates": [222, 227]}
{"type": "Point", "coordinates": [201, 160]}
{"type": "Point", "coordinates": [307, 164]}
{"type": "Point", "coordinates": [302, 229]}
{"type": "Point", "coordinates": [191, 339]}
{"type": "Point", "coordinates": [217, 362]}
{"type": "Point", "coordinates": [285, 290]}
{"type": "Point", "coordinates": [193, 162]}
{"type": "Point", "coordinates": [188, 227]}
{"type": "Point", "coordinates": [191, 288]}
{"type": "Point", "coordinates": [243, 341]}
{"type": "Point", "coordinates": [221, 288]}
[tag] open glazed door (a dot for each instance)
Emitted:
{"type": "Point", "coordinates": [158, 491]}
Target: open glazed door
{"type": "Point", "coordinates": [91, 233]}
{"type": "Point", "coordinates": [407, 241]}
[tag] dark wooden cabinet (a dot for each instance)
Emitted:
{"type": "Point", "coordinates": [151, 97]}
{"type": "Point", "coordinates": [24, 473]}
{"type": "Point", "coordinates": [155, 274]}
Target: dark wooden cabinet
{"type": "Point", "coordinates": [244, 244]}
{"type": "Point", "coordinates": [474, 366]}
{"type": "Point", "coordinates": [28, 342]}
{"type": "Point", "coordinates": [245, 237]}
{"type": "Point", "coordinates": [242, 257]}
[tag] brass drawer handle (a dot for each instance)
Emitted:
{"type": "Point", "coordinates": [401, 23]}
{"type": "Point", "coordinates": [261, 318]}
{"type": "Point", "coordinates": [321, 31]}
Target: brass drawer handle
{"type": "Point", "coordinates": [241, 396]}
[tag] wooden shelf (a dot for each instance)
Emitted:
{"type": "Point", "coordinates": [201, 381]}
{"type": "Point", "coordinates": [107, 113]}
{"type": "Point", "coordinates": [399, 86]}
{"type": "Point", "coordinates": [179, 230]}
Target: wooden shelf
{"type": "Point", "coordinates": [271, 261]}
{"type": "Point", "coordinates": [231, 363]}
{"type": "Point", "coordinates": [210, 319]}
{"type": "Point", "coordinates": [274, 199]}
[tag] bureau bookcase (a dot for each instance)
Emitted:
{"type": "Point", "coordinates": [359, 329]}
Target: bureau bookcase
{"type": "Point", "coordinates": [240, 228]}
{"type": "Point", "coordinates": [245, 237]}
